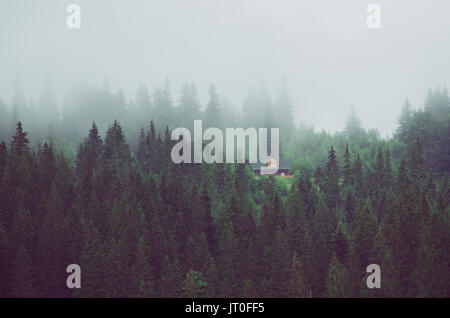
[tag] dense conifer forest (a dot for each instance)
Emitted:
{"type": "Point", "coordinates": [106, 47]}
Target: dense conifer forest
{"type": "Point", "coordinates": [94, 185]}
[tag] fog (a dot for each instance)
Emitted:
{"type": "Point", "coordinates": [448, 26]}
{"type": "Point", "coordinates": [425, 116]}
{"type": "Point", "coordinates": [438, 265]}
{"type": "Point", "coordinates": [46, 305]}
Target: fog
{"type": "Point", "coordinates": [324, 50]}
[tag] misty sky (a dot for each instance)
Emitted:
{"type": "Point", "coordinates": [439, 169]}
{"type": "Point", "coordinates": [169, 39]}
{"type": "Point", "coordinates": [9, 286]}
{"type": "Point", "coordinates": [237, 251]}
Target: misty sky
{"type": "Point", "coordinates": [324, 49]}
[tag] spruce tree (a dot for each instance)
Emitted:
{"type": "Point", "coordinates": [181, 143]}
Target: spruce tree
{"type": "Point", "coordinates": [337, 283]}
{"type": "Point", "coordinates": [143, 281]}
{"type": "Point", "coordinates": [332, 181]}
{"type": "Point", "coordinates": [24, 282]}
{"type": "Point", "coordinates": [347, 169]}
{"type": "Point", "coordinates": [194, 285]}
{"type": "Point", "coordinates": [212, 113]}
{"type": "Point", "coordinates": [20, 141]}
{"type": "Point", "coordinates": [95, 141]}
{"type": "Point", "coordinates": [297, 287]}
{"type": "Point", "coordinates": [3, 158]}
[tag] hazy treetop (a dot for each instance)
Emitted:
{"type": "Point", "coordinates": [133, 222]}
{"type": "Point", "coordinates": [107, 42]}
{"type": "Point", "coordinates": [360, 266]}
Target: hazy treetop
{"type": "Point", "coordinates": [329, 57]}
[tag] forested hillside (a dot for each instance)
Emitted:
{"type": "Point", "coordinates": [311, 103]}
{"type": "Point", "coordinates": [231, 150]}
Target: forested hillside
{"type": "Point", "coordinates": [142, 226]}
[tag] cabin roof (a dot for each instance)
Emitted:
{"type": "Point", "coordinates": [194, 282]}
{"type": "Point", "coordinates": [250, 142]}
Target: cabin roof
{"type": "Point", "coordinates": [283, 165]}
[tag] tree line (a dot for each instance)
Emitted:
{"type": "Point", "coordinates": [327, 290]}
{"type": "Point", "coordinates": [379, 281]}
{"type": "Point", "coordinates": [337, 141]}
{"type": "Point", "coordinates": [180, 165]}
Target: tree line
{"type": "Point", "coordinates": [141, 226]}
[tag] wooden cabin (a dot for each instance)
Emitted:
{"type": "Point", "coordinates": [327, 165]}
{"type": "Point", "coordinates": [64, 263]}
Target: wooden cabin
{"type": "Point", "coordinates": [284, 167]}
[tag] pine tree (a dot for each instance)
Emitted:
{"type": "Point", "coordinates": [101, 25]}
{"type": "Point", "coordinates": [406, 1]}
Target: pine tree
{"type": "Point", "coordinates": [337, 284]}
{"type": "Point", "coordinates": [208, 224]}
{"type": "Point", "coordinates": [379, 184]}
{"type": "Point", "coordinates": [347, 169]}
{"type": "Point", "coordinates": [115, 149]}
{"type": "Point", "coordinates": [353, 129]}
{"type": "Point", "coordinates": [95, 141]}
{"type": "Point", "coordinates": [163, 110]}
{"type": "Point", "coordinates": [409, 238]}
{"type": "Point", "coordinates": [249, 289]}
{"type": "Point", "coordinates": [48, 168]}
{"type": "Point", "coordinates": [24, 280]}
{"type": "Point", "coordinates": [189, 106]}
{"type": "Point", "coordinates": [349, 208]}
{"type": "Point", "coordinates": [228, 248]}
{"type": "Point", "coordinates": [284, 113]}
{"type": "Point", "coordinates": [20, 141]}
{"type": "Point", "coordinates": [193, 285]}
{"type": "Point", "coordinates": [142, 151]}
{"type": "Point", "coordinates": [341, 243]}
{"type": "Point", "coordinates": [170, 285]}
{"type": "Point", "coordinates": [93, 261]}
{"type": "Point", "coordinates": [143, 104]}
{"type": "Point", "coordinates": [18, 105]}
{"type": "Point", "coordinates": [404, 121]}
{"type": "Point", "coordinates": [364, 234]}
{"type": "Point", "coordinates": [251, 116]}
{"type": "Point", "coordinates": [357, 170]}
{"type": "Point", "coordinates": [332, 181]}
{"type": "Point", "coordinates": [212, 113]}
{"type": "Point", "coordinates": [212, 279]}
{"type": "Point", "coordinates": [143, 284]}
{"type": "Point", "coordinates": [295, 223]}
{"type": "Point", "coordinates": [403, 175]}
{"type": "Point", "coordinates": [427, 272]}
{"type": "Point", "coordinates": [323, 227]}
{"type": "Point", "coordinates": [52, 246]}
{"type": "Point", "coordinates": [4, 122]}
{"type": "Point", "coordinates": [388, 174]}
{"type": "Point", "coordinates": [5, 259]}
{"type": "Point", "coordinates": [417, 166]}
{"type": "Point", "coordinates": [296, 286]}
{"type": "Point", "coordinates": [3, 158]}
{"type": "Point", "coordinates": [279, 266]}
{"type": "Point", "coordinates": [116, 270]}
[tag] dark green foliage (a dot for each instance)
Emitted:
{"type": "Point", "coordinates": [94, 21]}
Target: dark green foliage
{"type": "Point", "coordinates": [143, 281]}
{"type": "Point", "coordinates": [115, 146]}
{"type": "Point", "coordinates": [332, 181]}
{"type": "Point", "coordinates": [194, 285]}
{"type": "Point", "coordinates": [296, 287]}
{"type": "Point", "coordinates": [20, 141]}
{"type": "Point", "coordinates": [338, 280]}
{"type": "Point", "coordinates": [24, 276]}
{"type": "Point", "coordinates": [347, 169]}
{"type": "Point", "coordinates": [141, 226]}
